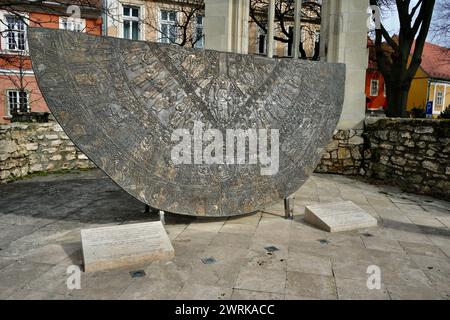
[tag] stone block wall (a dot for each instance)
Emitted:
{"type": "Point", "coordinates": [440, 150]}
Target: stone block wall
{"type": "Point", "coordinates": [345, 154]}
{"type": "Point", "coordinates": [27, 148]}
{"type": "Point", "coordinates": [411, 153]}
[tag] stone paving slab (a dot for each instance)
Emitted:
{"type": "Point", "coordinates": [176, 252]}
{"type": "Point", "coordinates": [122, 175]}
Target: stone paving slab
{"type": "Point", "coordinates": [40, 239]}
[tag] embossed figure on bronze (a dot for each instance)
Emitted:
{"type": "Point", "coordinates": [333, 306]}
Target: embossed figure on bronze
{"type": "Point", "coordinates": [120, 101]}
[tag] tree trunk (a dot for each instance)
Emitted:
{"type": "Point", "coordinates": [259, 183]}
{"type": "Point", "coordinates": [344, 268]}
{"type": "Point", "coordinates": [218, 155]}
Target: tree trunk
{"type": "Point", "coordinates": [398, 63]}
{"type": "Point", "coordinates": [397, 99]}
{"type": "Point", "coordinates": [302, 51]}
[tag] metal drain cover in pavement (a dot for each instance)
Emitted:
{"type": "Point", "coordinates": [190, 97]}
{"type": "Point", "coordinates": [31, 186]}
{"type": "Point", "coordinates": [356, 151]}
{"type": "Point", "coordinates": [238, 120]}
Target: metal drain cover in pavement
{"type": "Point", "coordinates": [137, 274]}
{"type": "Point", "coordinates": [271, 248]}
{"type": "Point", "coordinates": [367, 234]}
{"type": "Point", "coordinates": [209, 260]}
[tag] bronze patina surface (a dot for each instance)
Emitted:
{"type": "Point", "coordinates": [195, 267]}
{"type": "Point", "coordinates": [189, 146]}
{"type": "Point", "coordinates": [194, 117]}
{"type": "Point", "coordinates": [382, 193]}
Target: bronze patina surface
{"type": "Point", "coordinates": [119, 101]}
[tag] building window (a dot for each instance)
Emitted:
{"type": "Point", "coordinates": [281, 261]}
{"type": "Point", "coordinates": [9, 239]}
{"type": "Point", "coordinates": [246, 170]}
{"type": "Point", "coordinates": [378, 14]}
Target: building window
{"type": "Point", "coordinates": [374, 88]}
{"type": "Point", "coordinates": [18, 102]}
{"type": "Point", "coordinates": [439, 98]}
{"type": "Point", "coordinates": [15, 33]}
{"type": "Point", "coordinates": [131, 23]}
{"type": "Point", "coordinates": [199, 35]}
{"type": "Point", "coordinates": [72, 24]}
{"type": "Point", "coordinates": [168, 26]}
{"type": "Point", "coordinates": [261, 41]}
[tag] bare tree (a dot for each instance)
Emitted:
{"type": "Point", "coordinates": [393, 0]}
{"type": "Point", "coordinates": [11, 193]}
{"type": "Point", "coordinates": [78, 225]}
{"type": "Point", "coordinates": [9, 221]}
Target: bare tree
{"type": "Point", "coordinates": [400, 57]}
{"type": "Point", "coordinates": [441, 23]}
{"type": "Point", "coordinates": [284, 17]}
{"type": "Point", "coordinates": [182, 30]}
{"type": "Point", "coordinates": [15, 62]}
{"type": "Point", "coordinates": [18, 67]}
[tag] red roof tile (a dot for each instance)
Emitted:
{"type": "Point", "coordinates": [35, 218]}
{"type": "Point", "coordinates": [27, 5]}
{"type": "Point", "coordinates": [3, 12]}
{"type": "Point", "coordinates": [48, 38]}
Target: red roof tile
{"type": "Point", "coordinates": [436, 61]}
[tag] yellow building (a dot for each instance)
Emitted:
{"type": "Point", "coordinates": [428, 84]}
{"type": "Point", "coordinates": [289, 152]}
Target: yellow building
{"type": "Point", "coordinates": [182, 22]}
{"type": "Point", "coordinates": [432, 80]}
{"type": "Point", "coordinates": [157, 21]}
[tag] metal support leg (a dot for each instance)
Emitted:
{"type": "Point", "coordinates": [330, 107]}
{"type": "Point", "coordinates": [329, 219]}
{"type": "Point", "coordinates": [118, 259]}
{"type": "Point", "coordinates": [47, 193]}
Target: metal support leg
{"type": "Point", "coordinates": [150, 210]}
{"type": "Point", "coordinates": [289, 208]}
{"type": "Point", "coordinates": [161, 217]}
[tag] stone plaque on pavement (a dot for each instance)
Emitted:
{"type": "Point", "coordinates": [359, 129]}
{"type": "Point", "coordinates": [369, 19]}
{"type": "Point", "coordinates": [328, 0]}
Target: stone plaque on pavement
{"type": "Point", "coordinates": [339, 216]}
{"type": "Point", "coordinates": [126, 245]}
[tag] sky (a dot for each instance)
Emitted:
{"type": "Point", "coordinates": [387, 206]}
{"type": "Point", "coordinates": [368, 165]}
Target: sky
{"type": "Point", "coordinates": [392, 25]}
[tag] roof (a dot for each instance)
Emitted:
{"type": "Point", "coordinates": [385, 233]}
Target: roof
{"type": "Point", "coordinates": [436, 61]}
{"type": "Point", "coordinates": [90, 9]}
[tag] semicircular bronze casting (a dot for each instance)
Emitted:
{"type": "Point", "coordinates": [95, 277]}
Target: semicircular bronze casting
{"type": "Point", "coordinates": [120, 101]}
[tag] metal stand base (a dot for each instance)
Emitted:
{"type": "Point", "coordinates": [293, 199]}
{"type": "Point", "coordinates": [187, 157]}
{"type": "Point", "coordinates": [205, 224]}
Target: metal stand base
{"type": "Point", "coordinates": [151, 210]}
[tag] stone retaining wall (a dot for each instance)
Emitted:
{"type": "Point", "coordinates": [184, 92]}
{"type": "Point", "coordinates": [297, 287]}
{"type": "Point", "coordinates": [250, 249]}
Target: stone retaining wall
{"type": "Point", "coordinates": [345, 154]}
{"type": "Point", "coordinates": [27, 148]}
{"type": "Point", "coordinates": [411, 153]}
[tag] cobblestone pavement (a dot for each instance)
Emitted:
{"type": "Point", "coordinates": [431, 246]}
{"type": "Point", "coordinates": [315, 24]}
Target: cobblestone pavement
{"type": "Point", "coordinates": [41, 218]}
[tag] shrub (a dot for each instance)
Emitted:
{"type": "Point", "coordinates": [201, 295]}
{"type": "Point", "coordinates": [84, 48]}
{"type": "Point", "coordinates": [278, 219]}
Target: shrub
{"type": "Point", "coordinates": [418, 112]}
{"type": "Point", "coordinates": [445, 114]}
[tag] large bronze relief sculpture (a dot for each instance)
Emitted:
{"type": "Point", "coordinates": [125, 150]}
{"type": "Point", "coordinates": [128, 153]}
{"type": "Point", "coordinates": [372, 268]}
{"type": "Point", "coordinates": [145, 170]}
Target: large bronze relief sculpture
{"type": "Point", "coordinates": [121, 101]}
